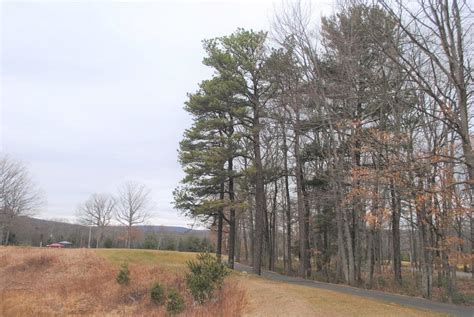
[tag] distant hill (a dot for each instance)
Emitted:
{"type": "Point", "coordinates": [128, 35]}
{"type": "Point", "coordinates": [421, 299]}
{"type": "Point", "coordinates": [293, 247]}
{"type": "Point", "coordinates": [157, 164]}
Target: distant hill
{"type": "Point", "coordinates": [34, 231]}
{"type": "Point", "coordinates": [172, 229]}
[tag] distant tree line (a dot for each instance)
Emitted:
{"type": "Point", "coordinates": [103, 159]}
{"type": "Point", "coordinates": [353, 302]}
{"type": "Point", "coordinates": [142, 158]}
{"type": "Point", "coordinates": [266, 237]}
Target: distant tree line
{"type": "Point", "coordinates": [188, 243]}
{"type": "Point", "coordinates": [38, 232]}
{"type": "Point", "coordinates": [343, 142]}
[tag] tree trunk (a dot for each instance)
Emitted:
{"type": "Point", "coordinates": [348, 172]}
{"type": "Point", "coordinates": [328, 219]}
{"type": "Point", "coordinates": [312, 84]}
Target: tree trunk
{"type": "Point", "coordinates": [246, 248]}
{"type": "Point", "coordinates": [472, 242]}
{"type": "Point", "coordinates": [302, 218]}
{"type": "Point", "coordinates": [413, 245]}
{"type": "Point", "coordinates": [449, 283]}
{"type": "Point", "coordinates": [98, 237]}
{"type": "Point", "coordinates": [425, 253]}
{"type": "Point", "coordinates": [341, 249]}
{"type": "Point", "coordinates": [252, 229]}
{"type": "Point", "coordinates": [266, 242]}
{"type": "Point", "coordinates": [371, 236]}
{"type": "Point", "coordinates": [397, 264]}
{"type": "Point", "coordinates": [350, 250]}
{"type": "Point", "coordinates": [238, 237]}
{"type": "Point", "coordinates": [283, 241]}
{"type": "Point", "coordinates": [231, 239]}
{"type": "Point", "coordinates": [273, 229]}
{"type": "Point", "coordinates": [2, 234]}
{"type": "Point", "coordinates": [259, 196]}
{"type": "Point", "coordinates": [7, 237]}
{"type": "Point", "coordinates": [89, 240]}
{"type": "Point", "coordinates": [288, 264]}
{"type": "Point", "coordinates": [307, 217]}
{"type": "Point", "coordinates": [220, 224]}
{"type": "Point", "coordinates": [370, 257]}
{"type": "Point", "coordinates": [232, 215]}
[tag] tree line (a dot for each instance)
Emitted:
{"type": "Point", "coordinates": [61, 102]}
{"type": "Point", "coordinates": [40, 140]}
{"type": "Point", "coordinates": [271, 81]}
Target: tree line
{"type": "Point", "coordinates": [27, 231]}
{"type": "Point", "coordinates": [340, 142]}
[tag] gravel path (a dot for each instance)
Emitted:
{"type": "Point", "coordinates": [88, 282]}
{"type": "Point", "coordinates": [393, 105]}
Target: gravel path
{"type": "Point", "coordinates": [416, 302]}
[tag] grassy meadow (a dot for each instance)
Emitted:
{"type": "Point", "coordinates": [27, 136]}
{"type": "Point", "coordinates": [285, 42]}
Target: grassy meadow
{"type": "Point", "coordinates": [60, 282]}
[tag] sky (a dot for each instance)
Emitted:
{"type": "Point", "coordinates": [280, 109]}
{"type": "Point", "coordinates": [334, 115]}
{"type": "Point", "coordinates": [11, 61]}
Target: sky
{"type": "Point", "coordinates": [92, 93]}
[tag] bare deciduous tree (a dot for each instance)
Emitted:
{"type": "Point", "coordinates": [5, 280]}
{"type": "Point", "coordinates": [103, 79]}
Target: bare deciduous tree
{"type": "Point", "coordinates": [97, 211]}
{"type": "Point", "coordinates": [18, 195]}
{"type": "Point", "coordinates": [133, 206]}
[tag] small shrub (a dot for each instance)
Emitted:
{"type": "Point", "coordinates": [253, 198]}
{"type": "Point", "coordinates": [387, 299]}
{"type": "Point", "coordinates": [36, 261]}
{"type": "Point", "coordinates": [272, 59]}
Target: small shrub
{"type": "Point", "coordinates": [108, 243]}
{"type": "Point", "coordinates": [381, 281]}
{"type": "Point", "coordinates": [205, 276]}
{"type": "Point", "coordinates": [157, 294]}
{"type": "Point", "coordinates": [175, 302]}
{"type": "Point", "coordinates": [123, 276]}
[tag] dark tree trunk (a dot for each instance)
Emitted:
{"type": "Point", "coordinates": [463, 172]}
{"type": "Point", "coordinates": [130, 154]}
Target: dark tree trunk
{"type": "Point", "coordinates": [273, 229]}
{"type": "Point", "coordinates": [307, 217]}
{"type": "Point", "coordinates": [251, 228]}
{"type": "Point", "coordinates": [424, 240]}
{"type": "Point", "coordinates": [220, 220]}
{"type": "Point", "coordinates": [231, 238]}
{"type": "Point", "coordinates": [266, 245]}
{"type": "Point", "coordinates": [232, 215]}
{"type": "Point", "coordinates": [396, 209]}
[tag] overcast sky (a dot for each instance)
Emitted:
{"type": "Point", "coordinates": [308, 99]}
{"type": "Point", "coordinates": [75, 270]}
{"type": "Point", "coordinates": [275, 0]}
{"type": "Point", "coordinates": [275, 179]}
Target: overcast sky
{"type": "Point", "coordinates": [92, 92]}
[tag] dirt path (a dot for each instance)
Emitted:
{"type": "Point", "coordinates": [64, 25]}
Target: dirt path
{"type": "Point", "coordinates": [414, 302]}
{"type": "Point", "coordinates": [271, 299]}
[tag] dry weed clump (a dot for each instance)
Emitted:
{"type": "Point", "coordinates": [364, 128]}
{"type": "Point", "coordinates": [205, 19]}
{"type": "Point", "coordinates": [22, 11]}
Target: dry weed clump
{"type": "Point", "coordinates": [42, 260]}
{"type": "Point", "coordinates": [60, 282]}
{"type": "Point", "coordinates": [230, 301]}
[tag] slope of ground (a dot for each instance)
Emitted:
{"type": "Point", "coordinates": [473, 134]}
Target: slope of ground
{"type": "Point", "coordinates": [46, 282]}
{"type": "Point", "coordinates": [65, 282]}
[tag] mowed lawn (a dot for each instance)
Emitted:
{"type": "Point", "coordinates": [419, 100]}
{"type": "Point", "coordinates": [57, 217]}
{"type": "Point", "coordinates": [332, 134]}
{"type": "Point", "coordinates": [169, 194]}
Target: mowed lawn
{"type": "Point", "coordinates": [45, 282]}
{"type": "Point", "coordinates": [167, 259]}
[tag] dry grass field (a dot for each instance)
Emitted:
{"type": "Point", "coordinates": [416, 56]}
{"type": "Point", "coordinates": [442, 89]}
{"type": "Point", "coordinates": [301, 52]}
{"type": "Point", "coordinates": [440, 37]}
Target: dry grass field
{"type": "Point", "coordinates": [60, 282]}
{"type": "Point", "coordinates": [55, 282]}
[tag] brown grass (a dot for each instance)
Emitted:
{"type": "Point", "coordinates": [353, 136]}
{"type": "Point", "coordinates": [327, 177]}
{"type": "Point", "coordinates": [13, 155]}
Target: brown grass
{"type": "Point", "coordinates": [270, 298]}
{"type": "Point", "coordinates": [60, 282]}
{"type": "Point", "coordinates": [46, 282]}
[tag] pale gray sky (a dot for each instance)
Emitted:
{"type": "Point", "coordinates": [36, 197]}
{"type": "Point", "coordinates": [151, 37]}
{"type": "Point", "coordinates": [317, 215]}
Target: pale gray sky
{"type": "Point", "coordinates": [92, 92]}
